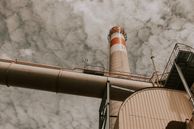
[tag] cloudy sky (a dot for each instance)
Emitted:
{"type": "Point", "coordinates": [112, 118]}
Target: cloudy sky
{"type": "Point", "coordinates": [65, 32]}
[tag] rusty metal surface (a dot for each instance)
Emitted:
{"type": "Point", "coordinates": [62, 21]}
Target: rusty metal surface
{"type": "Point", "coordinates": [154, 108]}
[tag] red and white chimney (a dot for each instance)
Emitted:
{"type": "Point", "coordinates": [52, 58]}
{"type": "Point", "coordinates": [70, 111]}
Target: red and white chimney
{"type": "Point", "coordinates": [118, 52]}
{"type": "Point", "coordinates": [118, 64]}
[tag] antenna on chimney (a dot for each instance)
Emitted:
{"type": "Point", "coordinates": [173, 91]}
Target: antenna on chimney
{"type": "Point", "coordinates": [155, 71]}
{"type": "Point", "coordinates": [85, 62]}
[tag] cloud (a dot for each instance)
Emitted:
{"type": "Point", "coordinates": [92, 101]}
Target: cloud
{"type": "Point", "coordinates": [64, 32]}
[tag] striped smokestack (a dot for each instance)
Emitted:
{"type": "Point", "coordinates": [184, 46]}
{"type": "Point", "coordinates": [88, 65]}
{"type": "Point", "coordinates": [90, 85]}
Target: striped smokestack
{"type": "Point", "coordinates": [118, 64]}
{"type": "Point", "coordinates": [118, 52]}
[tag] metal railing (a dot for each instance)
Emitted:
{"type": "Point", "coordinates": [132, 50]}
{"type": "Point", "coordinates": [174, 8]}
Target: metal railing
{"type": "Point", "coordinates": [118, 74]}
{"type": "Point", "coordinates": [178, 47]}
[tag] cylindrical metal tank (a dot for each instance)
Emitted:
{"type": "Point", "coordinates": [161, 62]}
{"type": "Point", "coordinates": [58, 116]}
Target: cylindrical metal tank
{"type": "Point", "coordinates": [154, 108]}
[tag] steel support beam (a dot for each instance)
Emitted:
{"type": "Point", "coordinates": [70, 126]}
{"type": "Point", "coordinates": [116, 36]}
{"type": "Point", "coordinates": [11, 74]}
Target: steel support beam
{"type": "Point", "coordinates": [184, 83]}
{"type": "Point", "coordinates": [104, 111]}
{"type": "Point", "coordinates": [108, 106]}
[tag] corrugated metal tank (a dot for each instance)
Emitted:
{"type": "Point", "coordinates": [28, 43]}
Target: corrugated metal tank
{"type": "Point", "coordinates": [153, 108]}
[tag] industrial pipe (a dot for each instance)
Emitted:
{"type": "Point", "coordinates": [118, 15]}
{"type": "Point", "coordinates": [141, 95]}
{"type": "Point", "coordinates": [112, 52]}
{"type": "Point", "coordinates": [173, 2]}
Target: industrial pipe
{"type": "Point", "coordinates": [54, 79]}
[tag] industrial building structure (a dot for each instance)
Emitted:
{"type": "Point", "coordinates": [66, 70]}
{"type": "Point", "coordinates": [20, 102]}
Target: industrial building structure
{"type": "Point", "coordinates": [128, 101]}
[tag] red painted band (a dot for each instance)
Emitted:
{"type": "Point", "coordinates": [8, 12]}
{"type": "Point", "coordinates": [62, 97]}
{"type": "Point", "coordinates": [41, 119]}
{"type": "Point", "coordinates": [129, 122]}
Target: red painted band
{"type": "Point", "coordinates": [117, 41]}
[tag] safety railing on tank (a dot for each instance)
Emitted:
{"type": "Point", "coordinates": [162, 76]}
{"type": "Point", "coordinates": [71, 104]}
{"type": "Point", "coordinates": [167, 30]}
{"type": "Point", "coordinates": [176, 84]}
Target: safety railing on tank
{"type": "Point", "coordinates": [178, 47]}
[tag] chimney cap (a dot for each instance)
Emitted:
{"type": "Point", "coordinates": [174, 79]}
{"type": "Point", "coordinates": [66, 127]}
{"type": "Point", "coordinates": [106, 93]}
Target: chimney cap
{"type": "Point", "coordinates": [118, 29]}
